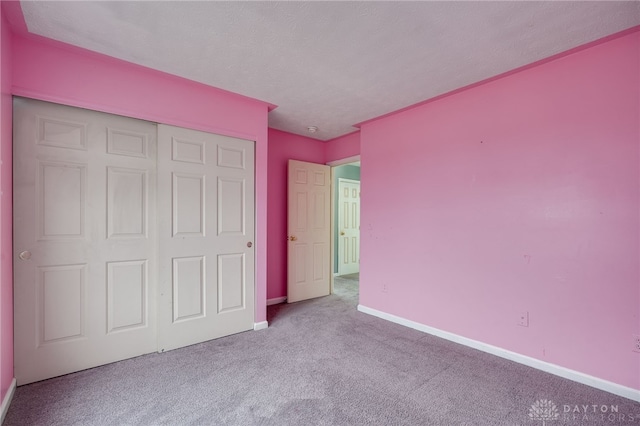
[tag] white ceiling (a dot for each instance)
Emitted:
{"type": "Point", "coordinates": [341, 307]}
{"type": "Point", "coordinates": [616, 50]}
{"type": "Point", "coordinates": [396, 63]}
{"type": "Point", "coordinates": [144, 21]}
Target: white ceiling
{"type": "Point", "coordinates": [330, 64]}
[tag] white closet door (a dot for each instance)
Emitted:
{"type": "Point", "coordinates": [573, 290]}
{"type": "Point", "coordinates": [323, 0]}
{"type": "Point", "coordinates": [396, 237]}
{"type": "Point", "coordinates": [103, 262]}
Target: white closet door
{"type": "Point", "coordinates": [206, 231]}
{"type": "Point", "coordinates": [84, 239]}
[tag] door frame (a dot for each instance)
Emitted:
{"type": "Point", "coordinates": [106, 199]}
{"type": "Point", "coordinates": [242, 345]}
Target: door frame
{"type": "Point", "coordinates": [334, 220]}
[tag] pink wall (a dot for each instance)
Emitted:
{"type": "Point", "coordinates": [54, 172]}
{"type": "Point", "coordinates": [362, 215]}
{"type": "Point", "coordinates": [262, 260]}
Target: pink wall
{"type": "Point", "coordinates": [343, 147]}
{"type": "Point", "coordinates": [282, 147]}
{"type": "Point", "coordinates": [52, 71]}
{"type": "Point", "coordinates": [517, 195]}
{"type": "Point", "coordinates": [6, 212]}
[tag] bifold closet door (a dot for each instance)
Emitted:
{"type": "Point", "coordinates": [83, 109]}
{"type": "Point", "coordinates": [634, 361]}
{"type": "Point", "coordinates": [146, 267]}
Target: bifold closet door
{"type": "Point", "coordinates": [84, 239]}
{"type": "Point", "coordinates": [206, 231]}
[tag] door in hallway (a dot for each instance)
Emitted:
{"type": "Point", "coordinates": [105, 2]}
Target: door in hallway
{"type": "Point", "coordinates": [348, 226]}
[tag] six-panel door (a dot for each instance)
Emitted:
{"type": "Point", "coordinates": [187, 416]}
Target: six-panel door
{"type": "Point", "coordinates": [348, 226]}
{"type": "Point", "coordinates": [308, 227]}
{"type": "Point", "coordinates": [85, 239]}
{"type": "Point", "coordinates": [206, 224]}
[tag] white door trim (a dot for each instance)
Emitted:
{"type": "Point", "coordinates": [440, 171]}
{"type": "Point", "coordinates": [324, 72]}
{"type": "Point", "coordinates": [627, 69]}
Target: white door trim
{"type": "Point", "coordinates": [343, 161]}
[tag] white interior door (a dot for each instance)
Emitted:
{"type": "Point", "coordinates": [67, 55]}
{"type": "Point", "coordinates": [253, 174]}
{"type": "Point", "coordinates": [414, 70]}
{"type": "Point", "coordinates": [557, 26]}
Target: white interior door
{"type": "Point", "coordinates": [348, 226]}
{"type": "Point", "coordinates": [85, 239]}
{"type": "Point", "coordinates": [309, 231]}
{"type": "Point", "coordinates": [206, 226]}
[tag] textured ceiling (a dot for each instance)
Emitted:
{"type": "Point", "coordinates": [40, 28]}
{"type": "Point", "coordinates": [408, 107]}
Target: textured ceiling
{"type": "Point", "coordinates": [330, 64]}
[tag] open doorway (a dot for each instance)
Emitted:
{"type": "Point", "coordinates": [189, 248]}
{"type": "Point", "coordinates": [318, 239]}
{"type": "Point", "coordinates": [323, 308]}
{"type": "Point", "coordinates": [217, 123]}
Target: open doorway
{"type": "Point", "coordinates": [345, 241]}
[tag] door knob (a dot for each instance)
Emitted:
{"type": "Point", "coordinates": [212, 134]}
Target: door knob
{"type": "Point", "coordinates": [249, 244]}
{"type": "Point", "coordinates": [292, 238]}
{"type": "Point", "coordinates": [25, 255]}
{"type": "Point", "coordinates": [341, 232]}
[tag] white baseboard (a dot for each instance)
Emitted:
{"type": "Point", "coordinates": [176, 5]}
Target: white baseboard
{"type": "Point", "coordinates": [260, 325]}
{"type": "Point", "coordinates": [557, 370]}
{"type": "Point", "coordinates": [276, 300]}
{"type": "Point", "coordinates": [7, 400]}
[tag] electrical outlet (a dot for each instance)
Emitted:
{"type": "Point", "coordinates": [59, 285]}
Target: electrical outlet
{"type": "Point", "coordinates": [384, 288]}
{"type": "Point", "coordinates": [523, 319]}
{"type": "Point", "coordinates": [636, 343]}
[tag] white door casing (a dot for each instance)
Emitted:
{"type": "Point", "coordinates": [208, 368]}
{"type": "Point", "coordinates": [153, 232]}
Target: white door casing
{"type": "Point", "coordinates": [206, 232]}
{"type": "Point", "coordinates": [85, 239]}
{"type": "Point", "coordinates": [309, 230]}
{"type": "Point", "coordinates": [348, 226]}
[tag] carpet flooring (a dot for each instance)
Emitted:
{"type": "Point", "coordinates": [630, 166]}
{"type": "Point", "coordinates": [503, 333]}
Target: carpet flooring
{"type": "Point", "coordinates": [320, 362]}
